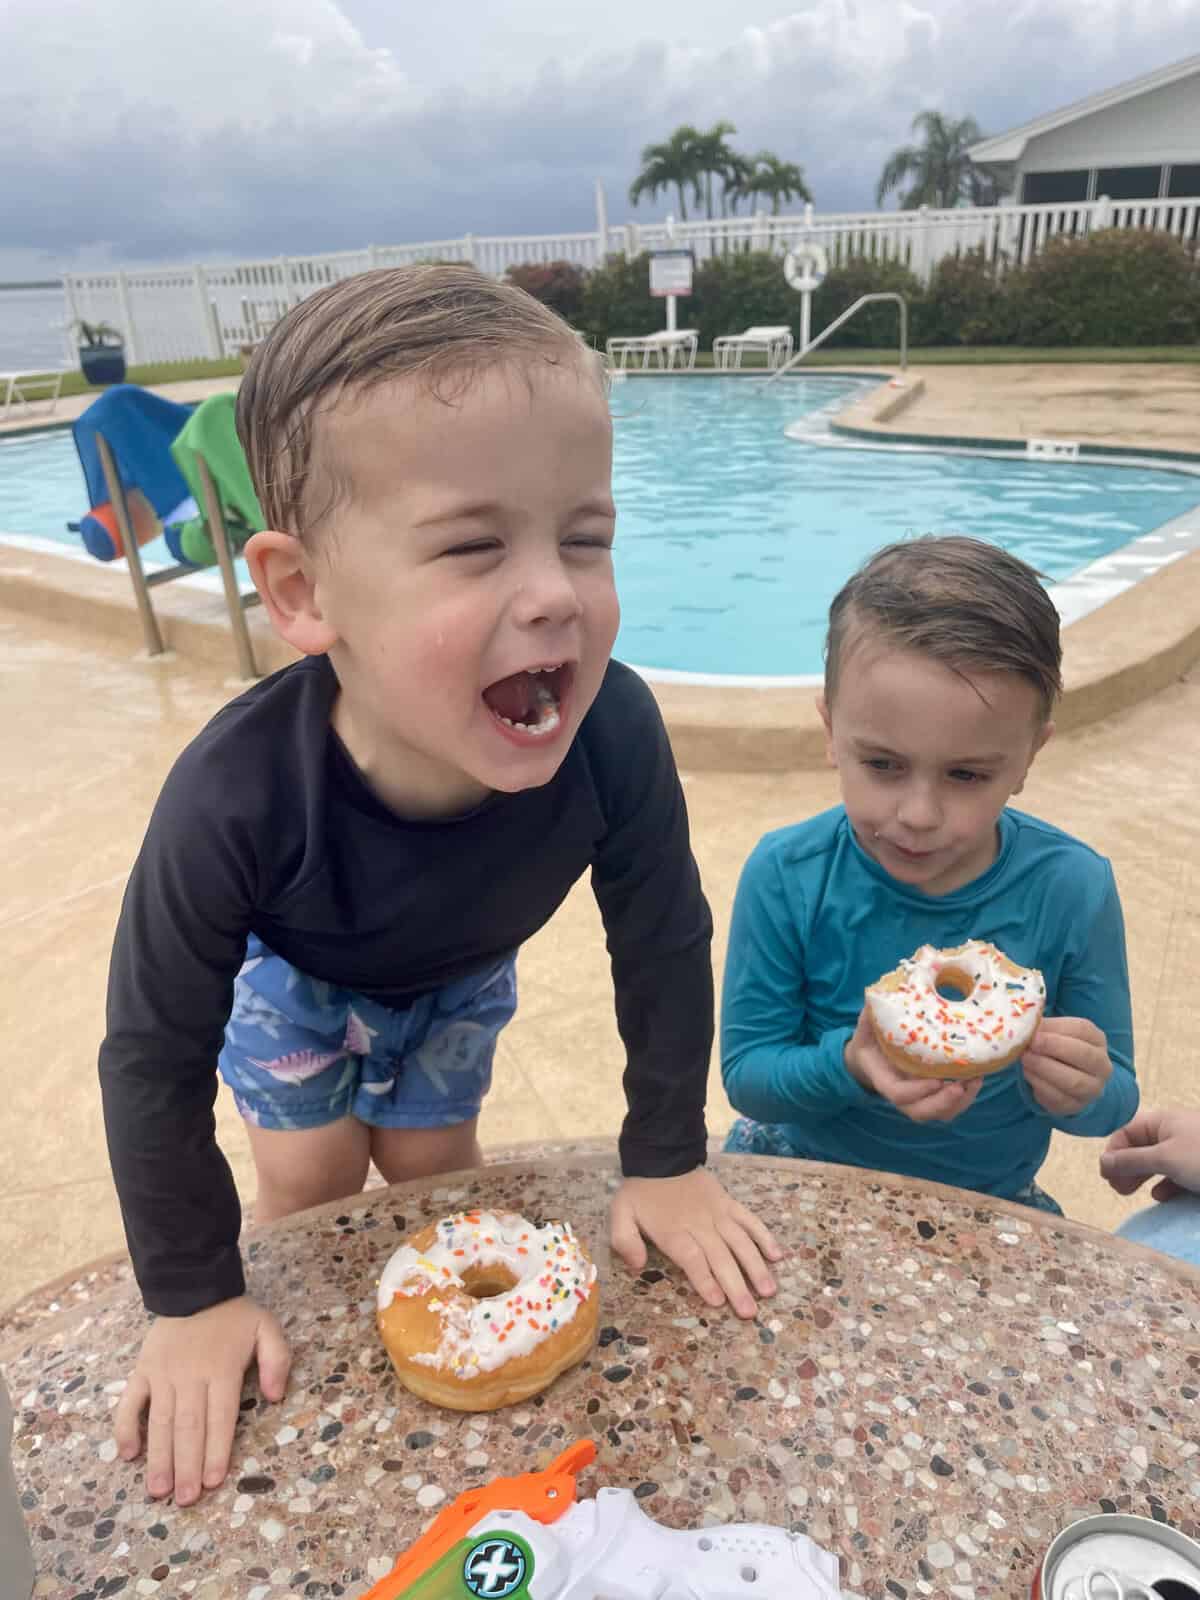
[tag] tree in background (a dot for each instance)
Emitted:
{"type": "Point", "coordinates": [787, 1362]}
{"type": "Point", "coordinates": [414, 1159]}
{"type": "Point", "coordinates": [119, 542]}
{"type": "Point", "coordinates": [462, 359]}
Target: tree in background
{"type": "Point", "coordinates": [692, 158]}
{"type": "Point", "coordinates": [675, 164]}
{"type": "Point", "coordinates": [938, 170]}
{"type": "Point", "coordinates": [715, 159]}
{"type": "Point", "coordinates": [775, 179]}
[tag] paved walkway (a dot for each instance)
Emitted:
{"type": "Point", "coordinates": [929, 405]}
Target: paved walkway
{"type": "Point", "coordinates": [91, 731]}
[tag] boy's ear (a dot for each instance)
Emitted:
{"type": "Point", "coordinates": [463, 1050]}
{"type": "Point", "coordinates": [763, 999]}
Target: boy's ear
{"type": "Point", "coordinates": [282, 573]}
{"type": "Point", "coordinates": [1042, 738]}
{"type": "Point", "coordinates": [824, 714]}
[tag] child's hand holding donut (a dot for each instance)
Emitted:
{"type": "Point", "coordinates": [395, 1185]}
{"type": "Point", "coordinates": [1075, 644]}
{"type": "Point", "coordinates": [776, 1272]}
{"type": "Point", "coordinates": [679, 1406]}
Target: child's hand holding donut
{"type": "Point", "coordinates": [1066, 1066]}
{"type": "Point", "coordinates": [922, 1099]}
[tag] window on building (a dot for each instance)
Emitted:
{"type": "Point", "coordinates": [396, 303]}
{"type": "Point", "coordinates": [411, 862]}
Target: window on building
{"type": "Point", "coordinates": [1128, 183]}
{"type": "Point", "coordinates": [1184, 182]}
{"type": "Point", "coordinates": [1047, 188]}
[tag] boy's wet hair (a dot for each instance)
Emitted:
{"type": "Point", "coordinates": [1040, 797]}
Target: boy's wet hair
{"type": "Point", "coordinates": [962, 602]}
{"type": "Point", "coordinates": [439, 322]}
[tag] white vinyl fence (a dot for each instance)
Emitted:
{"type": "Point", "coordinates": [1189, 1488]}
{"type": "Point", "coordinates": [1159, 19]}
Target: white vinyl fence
{"type": "Point", "coordinates": [172, 314]}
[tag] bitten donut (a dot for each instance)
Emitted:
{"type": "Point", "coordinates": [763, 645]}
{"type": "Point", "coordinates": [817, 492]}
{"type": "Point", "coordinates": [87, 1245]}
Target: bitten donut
{"type": "Point", "coordinates": [923, 1033]}
{"type": "Point", "coordinates": [482, 1310]}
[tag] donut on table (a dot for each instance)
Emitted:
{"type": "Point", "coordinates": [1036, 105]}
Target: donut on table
{"type": "Point", "coordinates": [926, 1034]}
{"type": "Point", "coordinates": [480, 1311]}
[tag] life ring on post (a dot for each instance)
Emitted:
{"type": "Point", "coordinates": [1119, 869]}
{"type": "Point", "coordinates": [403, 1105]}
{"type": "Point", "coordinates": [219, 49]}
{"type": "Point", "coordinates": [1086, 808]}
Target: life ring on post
{"type": "Point", "coordinates": [804, 267]}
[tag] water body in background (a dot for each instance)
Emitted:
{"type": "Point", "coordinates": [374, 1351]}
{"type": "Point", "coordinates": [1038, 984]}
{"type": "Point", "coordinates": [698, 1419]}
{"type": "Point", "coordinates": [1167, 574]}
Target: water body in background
{"type": "Point", "coordinates": [31, 330]}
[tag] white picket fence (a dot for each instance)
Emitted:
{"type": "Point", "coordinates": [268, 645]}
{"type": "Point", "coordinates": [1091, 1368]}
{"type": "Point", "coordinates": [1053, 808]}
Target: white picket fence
{"type": "Point", "coordinates": [173, 314]}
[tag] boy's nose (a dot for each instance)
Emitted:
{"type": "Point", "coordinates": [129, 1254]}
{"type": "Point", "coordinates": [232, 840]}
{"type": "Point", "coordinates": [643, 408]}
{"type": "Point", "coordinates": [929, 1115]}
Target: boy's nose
{"type": "Point", "coordinates": [545, 594]}
{"type": "Point", "coordinates": [919, 808]}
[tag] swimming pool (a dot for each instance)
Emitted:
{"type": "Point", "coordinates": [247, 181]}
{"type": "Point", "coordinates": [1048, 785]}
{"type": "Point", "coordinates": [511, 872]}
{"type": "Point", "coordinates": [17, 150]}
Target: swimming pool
{"type": "Point", "coordinates": [733, 537]}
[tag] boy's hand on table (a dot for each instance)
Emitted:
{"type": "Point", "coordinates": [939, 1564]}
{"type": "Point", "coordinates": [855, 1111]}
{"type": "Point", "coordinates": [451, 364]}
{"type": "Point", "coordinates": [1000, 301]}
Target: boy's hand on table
{"type": "Point", "coordinates": [1155, 1142]}
{"type": "Point", "coordinates": [1067, 1065]}
{"type": "Point", "coordinates": [717, 1242]}
{"type": "Point", "coordinates": [189, 1373]}
{"type": "Point", "coordinates": [922, 1099]}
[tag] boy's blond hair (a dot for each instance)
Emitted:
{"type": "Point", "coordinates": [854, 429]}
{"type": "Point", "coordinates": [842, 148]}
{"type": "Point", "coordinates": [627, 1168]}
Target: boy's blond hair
{"type": "Point", "coordinates": [442, 323]}
{"type": "Point", "coordinates": [963, 602]}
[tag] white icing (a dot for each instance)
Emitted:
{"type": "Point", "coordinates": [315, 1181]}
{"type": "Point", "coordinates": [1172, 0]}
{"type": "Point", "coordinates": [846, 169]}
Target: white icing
{"type": "Point", "coordinates": [553, 1278]}
{"type": "Point", "coordinates": [998, 1016]}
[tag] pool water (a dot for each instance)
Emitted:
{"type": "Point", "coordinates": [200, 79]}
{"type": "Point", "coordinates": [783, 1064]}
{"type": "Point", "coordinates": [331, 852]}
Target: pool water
{"type": "Point", "coordinates": [732, 538]}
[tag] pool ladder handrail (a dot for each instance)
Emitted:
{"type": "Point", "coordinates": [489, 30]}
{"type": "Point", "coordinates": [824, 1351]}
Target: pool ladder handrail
{"type": "Point", "coordinates": [235, 601]}
{"type": "Point", "coordinates": [863, 299]}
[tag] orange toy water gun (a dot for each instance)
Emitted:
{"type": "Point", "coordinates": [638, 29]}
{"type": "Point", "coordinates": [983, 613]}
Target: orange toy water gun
{"type": "Point", "coordinates": [530, 1538]}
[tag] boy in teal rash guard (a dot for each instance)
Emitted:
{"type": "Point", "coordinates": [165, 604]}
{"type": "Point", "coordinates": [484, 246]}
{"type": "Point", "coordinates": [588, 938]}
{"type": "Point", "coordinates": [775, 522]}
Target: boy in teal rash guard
{"type": "Point", "coordinates": [942, 669]}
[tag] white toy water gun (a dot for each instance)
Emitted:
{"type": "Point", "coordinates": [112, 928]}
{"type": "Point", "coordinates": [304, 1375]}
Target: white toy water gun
{"type": "Point", "coordinates": [529, 1538]}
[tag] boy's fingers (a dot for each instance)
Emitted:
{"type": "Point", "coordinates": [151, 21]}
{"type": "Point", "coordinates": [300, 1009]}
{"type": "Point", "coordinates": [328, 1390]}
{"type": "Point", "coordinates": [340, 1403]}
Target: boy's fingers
{"type": "Point", "coordinates": [749, 1256]}
{"type": "Point", "coordinates": [758, 1231]}
{"type": "Point", "coordinates": [1165, 1189]}
{"type": "Point", "coordinates": [714, 1254]}
{"type": "Point", "coordinates": [160, 1440]}
{"type": "Point", "coordinates": [224, 1397]}
{"type": "Point", "coordinates": [625, 1236]}
{"type": "Point", "coordinates": [191, 1421]}
{"type": "Point", "coordinates": [274, 1363]}
{"type": "Point", "coordinates": [127, 1419]}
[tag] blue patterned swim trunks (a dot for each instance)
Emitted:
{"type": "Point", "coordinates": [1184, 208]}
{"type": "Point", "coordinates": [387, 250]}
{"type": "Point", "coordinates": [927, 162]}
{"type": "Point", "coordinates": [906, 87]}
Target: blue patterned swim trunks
{"type": "Point", "coordinates": [749, 1138]}
{"type": "Point", "coordinates": [300, 1053]}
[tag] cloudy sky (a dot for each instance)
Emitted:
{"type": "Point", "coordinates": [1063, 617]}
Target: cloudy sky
{"type": "Point", "coordinates": [148, 130]}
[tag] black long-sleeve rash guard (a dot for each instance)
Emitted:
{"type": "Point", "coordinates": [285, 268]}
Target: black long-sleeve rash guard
{"type": "Point", "coordinates": [266, 826]}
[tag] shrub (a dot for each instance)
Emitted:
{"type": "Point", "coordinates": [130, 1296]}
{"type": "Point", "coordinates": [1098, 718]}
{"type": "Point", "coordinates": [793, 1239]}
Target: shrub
{"type": "Point", "coordinates": [1121, 286]}
{"type": "Point", "coordinates": [875, 327]}
{"type": "Point", "coordinates": [617, 300]}
{"type": "Point", "coordinates": [557, 284]}
{"type": "Point", "coordinates": [742, 289]}
{"type": "Point", "coordinates": [966, 303]}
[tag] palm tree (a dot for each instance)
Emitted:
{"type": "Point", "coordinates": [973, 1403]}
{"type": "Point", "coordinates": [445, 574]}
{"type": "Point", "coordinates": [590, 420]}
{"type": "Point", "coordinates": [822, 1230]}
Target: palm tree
{"type": "Point", "coordinates": [714, 159]}
{"type": "Point", "coordinates": [735, 183]}
{"type": "Point", "coordinates": [938, 170]}
{"type": "Point", "coordinates": [677, 163]}
{"type": "Point", "coordinates": [781, 180]}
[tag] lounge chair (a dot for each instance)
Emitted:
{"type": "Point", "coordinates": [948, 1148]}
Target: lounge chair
{"type": "Point", "coordinates": [19, 388]}
{"type": "Point", "coordinates": [664, 346]}
{"type": "Point", "coordinates": [776, 343]}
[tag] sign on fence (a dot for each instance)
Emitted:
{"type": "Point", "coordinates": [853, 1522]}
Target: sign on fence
{"type": "Point", "coordinates": [671, 272]}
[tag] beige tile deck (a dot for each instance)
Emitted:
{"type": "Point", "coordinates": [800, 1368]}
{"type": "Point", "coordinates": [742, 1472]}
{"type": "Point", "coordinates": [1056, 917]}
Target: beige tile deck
{"type": "Point", "coordinates": [89, 731]}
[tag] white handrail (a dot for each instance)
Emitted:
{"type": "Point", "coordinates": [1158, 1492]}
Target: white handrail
{"type": "Point", "coordinates": [862, 300]}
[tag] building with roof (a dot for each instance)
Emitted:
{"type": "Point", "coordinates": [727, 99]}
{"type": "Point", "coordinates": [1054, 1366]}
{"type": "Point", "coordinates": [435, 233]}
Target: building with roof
{"type": "Point", "coordinates": [1139, 141]}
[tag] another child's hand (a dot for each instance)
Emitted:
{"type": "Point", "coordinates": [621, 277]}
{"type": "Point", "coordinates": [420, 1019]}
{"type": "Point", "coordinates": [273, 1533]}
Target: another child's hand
{"type": "Point", "coordinates": [717, 1242]}
{"type": "Point", "coordinates": [189, 1373]}
{"type": "Point", "coordinates": [1067, 1065]}
{"type": "Point", "coordinates": [922, 1099]}
{"type": "Point", "coordinates": [1156, 1141]}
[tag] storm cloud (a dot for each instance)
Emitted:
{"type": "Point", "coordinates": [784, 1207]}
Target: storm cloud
{"type": "Point", "coordinates": [146, 131]}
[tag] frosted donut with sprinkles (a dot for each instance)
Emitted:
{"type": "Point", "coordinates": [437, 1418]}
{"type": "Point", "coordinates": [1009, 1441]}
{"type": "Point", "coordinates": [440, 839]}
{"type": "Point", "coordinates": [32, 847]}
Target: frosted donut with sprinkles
{"type": "Point", "coordinates": [988, 1024]}
{"type": "Point", "coordinates": [481, 1310]}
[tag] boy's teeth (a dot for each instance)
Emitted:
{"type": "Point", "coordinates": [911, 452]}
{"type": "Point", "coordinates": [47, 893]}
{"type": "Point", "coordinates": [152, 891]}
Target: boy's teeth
{"type": "Point", "coordinates": [546, 725]}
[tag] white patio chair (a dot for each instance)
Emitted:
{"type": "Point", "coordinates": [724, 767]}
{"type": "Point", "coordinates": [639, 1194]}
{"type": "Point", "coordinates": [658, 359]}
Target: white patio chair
{"type": "Point", "coordinates": [21, 388]}
{"type": "Point", "coordinates": [776, 343]}
{"type": "Point", "coordinates": [666, 347]}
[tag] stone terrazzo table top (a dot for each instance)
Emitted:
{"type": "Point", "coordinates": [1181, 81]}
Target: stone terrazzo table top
{"type": "Point", "coordinates": [941, 1383]}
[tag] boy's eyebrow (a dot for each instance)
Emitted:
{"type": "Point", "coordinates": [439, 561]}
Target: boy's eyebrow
{"type": "Point", "coordinates": [476, 510]}
{"type": "Point", "coordinates": [990, 758]}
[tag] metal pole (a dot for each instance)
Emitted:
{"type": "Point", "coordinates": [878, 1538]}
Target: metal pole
{"type": "Point", "coordinates": [133, 556]}
{"type": "Point", "coordinates": [805, 320]}
{"type": "Point", "coordinates": [671, 326]}
{"type": "Point", "coordinates": [601, 224]}
{"type": "Point", "coordinates": [233, 598]}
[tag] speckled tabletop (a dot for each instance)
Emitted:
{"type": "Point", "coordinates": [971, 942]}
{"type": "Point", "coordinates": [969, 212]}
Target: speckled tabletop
{"type": "Point", "coordinates": [941, 1383]}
